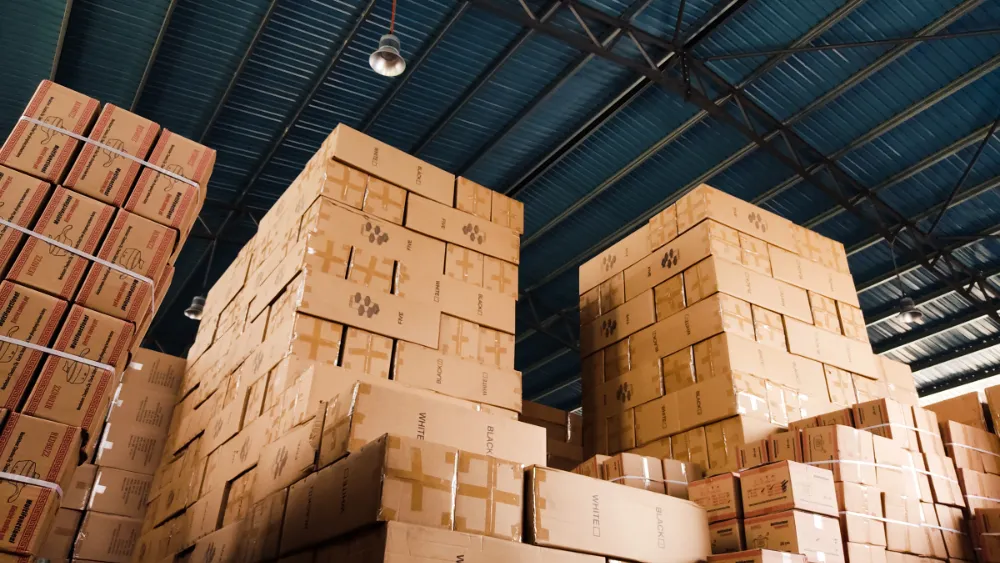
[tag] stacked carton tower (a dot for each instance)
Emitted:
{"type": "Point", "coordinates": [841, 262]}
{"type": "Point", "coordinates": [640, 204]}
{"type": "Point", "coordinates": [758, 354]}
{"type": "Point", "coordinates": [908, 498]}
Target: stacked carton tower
{"type": "Point", "coordinates": [95, 206]}
{"type": "Point", "coordinates": [563, 433]}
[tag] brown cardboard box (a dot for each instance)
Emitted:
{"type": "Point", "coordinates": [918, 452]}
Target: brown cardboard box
{"type": "Point", "coordinates": [120, 492]}
{"type": "Point", "coordinates": [59, 543]}
{"type": "Point", "coordinates": [706, 202]}
{"type": "Point", "coordinates": [725, 435]}
{"type": "Point", "coordinates": [678, 477]}
{"type": "Point", "coordinates": [287, 459]}
{"type": "Point", "coordinates": [955, 532]}
{"type": "Point", "coordinates": [613, 326]}
{"type": "Point", "coordinates": [205, 516]}
{"type": "Point", "coordinates": [464, 265]}
{"type": "Point", "coordinates": [750, 455]}
{"type": "Point", "coordinates": [69, 218]}
{"type": "Point", "coordinates": [108, 538]}
{"type": "Point", "coordinates": [758, 556]}
{"type": "Point", "coordinates": [507, 212]}
{"type": "Point", "coordinates": [663, 227]}
{"type": "Point", "coordinates": [240, 453]}
{"type": "Point", "coordinates": [934, 533]}
{"type": "Point", "coordinates": [720, 496]}
{"type": "Point", "coordinates": [590, 304]}
{"type": "Point", "coordinates": [928, 431]}
{"type": "Point", "coordinates": [727, 536]}
{"type": "Point", "coordinates": [966, 409]}
{"type": "Point", "coordinates": [31, 316]}
{"type": "Point", "coordinates": [142, 407]}
{"type": "Point", "coordinates": [678, 370]}
{"type": "Point", "coordinates": [729, 353]}
{"type": "Point", "coordinates": [971, 448]}
{"type": "Point", "coordinates": [496, 348]}
{"type": "Point", "coordinates": [944, 480]}
{"type": "Point", "coordinates": [489, 497]}
{"type": "Point", "coordinates": [715, 274]}
{"type": "Point", "coordinates": [803, 273]}
{"type": "Point", "coordinates": [391, 478]}
{"type": "Point", "coordinates": [102, 174]}
{"type": "Point", "coordinates": [367, 353]}
{"type": "Point", "coordinates": [239, 498]}
{"type": "Point", "coordinates": [785, 446]}
{"type": "Point", "coordinates": [154, 369]}
{"type": "Point", "coordinates": [893, 472]}
{"type": "Point", "coordinates": [133, 449]}
{"type": "Point", "coordinates": [35, 509]}
{"type": "Point", "coordinates": [562, 513]}
{"type": "Point", "coordinates": [903, 529]}
{"type": "Point", "coordinates": [899, 379]}
{"type": "Point", "coordinates": [861, 514]}
{"type": "Point", "coordinates": [41, 151]}
{"type": "Point", "coordinates": [817, 537]}
{"type": "Point", "coordinates": [264, 531]}
{"type": "Point", "coordinates": [374, 272]}
{"type": "Point", "coordinates": [669, 297]}
{"type": "Point", "coordinates": [593, 467]}
{"type": "Point", "coordinates": [828, 348]}
{"type": "Point", "coordinates": [222, 546]}
{"type": "Point", "coordinates": [77, 494]}
{"type": "Point", "coordinates": [612, 292]}
{"type": "Point", "coordinates": [621, 434]}
{"type": "Point", "coordinates": [788, 485]}
{"type": "Point", "coordinates": [422, 367]}
{"type": "Point", "coordinates": [74, 393]}
{"type": "Point", "coordinates": [385, 201]}
{"type": "Point", "coordinates": [384, 161]}
{"type": "Point", "coordinates": [464, 300]}
{"type": "Point", "coordinates": [138, 245]}
{"type": "Point", "coordinates": [366, 410]}
{"type": "Point", "coordinates": [754, 254]}
{"type": "Point", "coordinates": [769, 328]}
{"type": "Point", "coordinates": [451, 225]}
{"type": "Point", "coordinates": [861, 553]}
{"type": "Point", "coordinates": [39, 449]}
{"type": "Point", "coordinates": [500, 277]}
{"type": "Point", "coordinates": [617, 360]}
{"type": "Point", "coordinates": [691, 447]}
{"type": "Point", "coordinates": [824, 312]}
{"type": "Point", "coordinates": [473, 198]}
{"type": "Point", "coordinates": [631, 470]}
{"type": "Point", "coordinates": [884, 417]}
{"type": "Point", "coordinates": [458, 338]}
{"type": "Point", "coordinates": [845, 451]}
{"type": "Point", "coordinates": [852, 322]}
{"type": "Point", "coordinates": [164, 199]}
{"type": "Point", "coordinates": [640, 385]}
{"type": "Point", "coordinates": [840, 386]}
{"type": "Point", "coordinates": [22, 197]}
{"type": "Point", "coordinates": [615, 259]}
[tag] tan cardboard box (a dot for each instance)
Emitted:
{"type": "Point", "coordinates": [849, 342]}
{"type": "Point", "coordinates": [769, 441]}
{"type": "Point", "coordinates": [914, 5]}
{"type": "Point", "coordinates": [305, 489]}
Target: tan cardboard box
{"type": "Point", "coordinates": [615, 259]}
{"type": "Point", "coordinates": [618, 323]}
{"type": "Point", "coordinates": [754, 254]}
{"type": "Point", "coordinates": [371, 271]}
{"type": "Point", "coordinates": [750, 455]}
{"type": "Point", "coordinates": [205, 516]}
{"type": "Point", "coordinates": [769, 328]}
{"type": "Point", "coordinates": [500, 277]}
{"type": "Point", "coordinates": [678, 477]}
{"type": "Point", "coordinates": [240, 453]}
{"type": "Point", "coordinates": [367, 353]}
{"type": "Point", "coordinates": [612, 292]}
{"type": "Point", "coordinates": [489, 497]}
{"type": "Point", "coordinates": [728, 353]}
{"type": "Point", "coordinates": [71, 219]}
{"type": "Point", "coordinates": [758, 556]}
{"type": "Point", "coordinates": [788, 485]}
{"type": "Point", "coordinates": [828, 348]}
{"type": "Point", "coordinates": [632, 470]}
{"type": "Point", "coordinates": [727, 536]}
{"type": "Point", "coordinates": [59, 543]}
{"type": "Point", "coordinates": [366, 410]}
{"type": "Point", "coordinates": [669, 297]}
{"type": "Point", "coordinates": [617, 360]}
{"type": "Point", "coordinates": [453, 226]}
{"type": "Point", "coordinates": [663, 227]}
{"type": "Point", "coordinates": [164, 199]}
{"type": "Point", "coordinates": [893, 472]}
{"type": "Point", "coordinates": [222, 546]}
{"type": "Point", "coordinates": [956, 542]}
{"type": "Point", "coordinates": [966, 409]}
{"type": "Point", "coordinates": [678, 370]}
{"type": "Point", "coordinates": [422, 367]}
{"type": "Point", "coordinates": [239, 498]}
{"type": "Point", "coordinates": [691, 447]}
{"type": "Point", "coordinates": [458, 337]}
{"type": "Point", "coordinates": [861, 517]}
{"type": "Point", "coordinates": [852, 322]}
{"type": "Point", "coordinates": [806, 274]}
{"type": "Point", "coordinates": [39, 449]}
{"type": "Point", "coordinates": [154, 369]}
{"type": "Point", "coordinates": [31, 316]}
{"type": "Point", "coordinates": [22, 197]}
{"type": "Point", "coordinates": [884, 417]}
{"type": "Point", "coordinates": [43, 152]}
{"type": "Point", "coordinates": [590, 305]}
{"type": "Point", "coordinates": [720, 496]}
{"type": "Point", "coordinates": [621, 434]}
{"type": "Point", "coordinates": [817, 537]}
{"type": "Point", "coordinates": [264, 531]}
{"type": "Point", "coordinates": [77, 494]}
{"type": "Point", "coordinates": [715, 274]}
{"type": "Point", "coordinates": [496, 348]}
{"type": "Point", "coordinates": [944, 480]}
{"type": "Point", "coordinates": [108, 538]}
{"type": "Point", "coordinates": [133, 449]}
{"type": "Point", "coordinates": [473, 198]}
{"type": "Point", "coordinates": [934, 532]}
{"type": "Point", "coordinates": [861, 553]}
{"type": "Point", "coordinates": [102, 174]}
{"type": "Point", "coordinates": [824, 312]}
{"type": "Point", "coordinates": [142, 407]}
{"type": "Point", "coordinates": [845, 451]}
{"type": "Point", "coordinates": [507, 212]}
{"type": "Point", "coordinates": [120, 492]}
{"type": "Point", "coordinates": [899, 379]}
{"type": "Point", "coordinates": [640, 385]}
{"type": "Point", "coordinates": [725, 435]}
{"type": "Point", "coordinates": [32, 510]}
{"type": "Point", "coordinates": [464, 265]}
{"type": "Point", "coordinates": [138, 245]}
{"type": "Point", "coordinates": [287, 459]}
{"type": "Point", "coordinates": [903, 527]}
{"type": "Point", "coordinates": [785, 446]}
{"type": "Point", "coordinates": [971, 448]}
{"type": "Point", "coordinates": [462, 300]}
{"type": "Point", "coordinates": [571, 511]}
{"type": "Point", "coordinates": [593, 467]}
{"type": "Point", "coordinates": [392, 478]}
{"type": "Point", "coordinates": [385, 201]}
{"type": "Point", "coordinates": [706, 202]}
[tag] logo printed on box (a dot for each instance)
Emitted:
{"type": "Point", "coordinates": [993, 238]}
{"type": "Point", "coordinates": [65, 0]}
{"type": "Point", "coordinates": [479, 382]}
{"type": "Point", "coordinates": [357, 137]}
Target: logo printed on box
{"type": "Point", "coordinates": [608, 262]}
{"type": "Point", "coordinates": [670, 258]}
{"type": "Point", "coordinates": [758, 221]}
{"type": "Point", "coordinates": [366, 305]}
{"type": "Point", "coordinates": [474, 234]}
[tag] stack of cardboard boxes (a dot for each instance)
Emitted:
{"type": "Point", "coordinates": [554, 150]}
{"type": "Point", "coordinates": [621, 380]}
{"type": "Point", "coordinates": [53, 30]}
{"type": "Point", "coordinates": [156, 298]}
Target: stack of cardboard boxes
{"type": "Point", "coordinates": [353, 366]}
{"type": "Point", "coordinates": [96, 203]}
{"type": "Point", "coordinates": [563, 433]}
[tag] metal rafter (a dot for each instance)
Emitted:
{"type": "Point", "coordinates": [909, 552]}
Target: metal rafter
{"type": "Point", "coordinates": [62, 39]}
{"type": "Point", "coordinates": [956, 353]}
{"type": "Point", "coordinates": [925, 297]}
{"type": "Point", "coordinates": [958, 380]}
{"type": "Point", "coordinates": [928, 330]}
{"type": "Point", "coordinates": [167, 16]}
{"type": "Point", "coordinates": [559, 353]}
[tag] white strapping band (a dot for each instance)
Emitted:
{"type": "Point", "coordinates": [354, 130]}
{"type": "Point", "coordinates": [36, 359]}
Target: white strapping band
{"type": "Point", "coordinates": [665, 481]}
{"type": "Point", "coordinates": [59, 353]}
{"type": "Point", "coordinates": [903, 426]}
{"type": "Point", "coordinates": [994, 454]}
{"type": "Point", "coordinates": [31, 481]}
{"type": "Point", "coordinates": [880, 519]}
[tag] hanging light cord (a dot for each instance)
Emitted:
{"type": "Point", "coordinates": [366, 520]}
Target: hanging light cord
{"type": "Point", "coordinates": [392, 18]}
{"type": "Point", "coordinates": [895, 268]}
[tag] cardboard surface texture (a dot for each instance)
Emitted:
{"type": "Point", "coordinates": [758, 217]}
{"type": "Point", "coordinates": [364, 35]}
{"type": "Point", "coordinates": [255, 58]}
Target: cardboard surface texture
{"type": "Point", "coordinates": [817, 537]}
{"type": "Point", "coordinates": [31, 316]}
{"type": "Point", "coordinates": [453, 226]}
{"type": "Point", "coordinates": [164, 199]}
{"type": "Point", "coordinates": [788, 485]}
{"type": "Point", "coordinates": [22, 197]}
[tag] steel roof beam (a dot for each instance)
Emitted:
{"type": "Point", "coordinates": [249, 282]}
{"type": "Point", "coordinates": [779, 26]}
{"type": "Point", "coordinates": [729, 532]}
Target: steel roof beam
{"type": "Point", "coordinates": [958, 380]}
{"type": "Point", "coordinates": [61, 40]}
{"type": "Point", "coordinates": [956, 353]}
{"type": "Point", "coordinates": [929, 330]}
{"type": "Point", "coordinates": [167, 16]}
{"type": "Point", "coordinates": [412, 67]}
{"type": "Point", "coordinates": [889, 311]}
{"type": "Point", "coordinates": [832, 19]}
{"type": "Point", "coordinates": [565, 384]}
{"type": "Point", "coordinates": [560, 352]}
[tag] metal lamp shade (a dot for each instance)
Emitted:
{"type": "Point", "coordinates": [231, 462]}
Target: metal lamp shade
{"type": "Point", "coordinates": [386, 60]}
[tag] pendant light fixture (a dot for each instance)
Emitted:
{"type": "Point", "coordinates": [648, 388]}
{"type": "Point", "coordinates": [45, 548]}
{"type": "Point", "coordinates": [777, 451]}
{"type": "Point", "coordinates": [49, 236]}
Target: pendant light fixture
{"type": "Point", "coordinates": [197, 307]}
{"type": "Point", "coordinates": [908, 312]}
{"type": "Point", "coordinates": [387, 60]}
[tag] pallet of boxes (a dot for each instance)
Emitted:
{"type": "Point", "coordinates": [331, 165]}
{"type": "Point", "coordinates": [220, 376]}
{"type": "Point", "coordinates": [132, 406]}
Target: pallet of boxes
{"type": "Point", "coordinates": [351, 395]}
{"type": "Point", "coordinates": [95, 205]}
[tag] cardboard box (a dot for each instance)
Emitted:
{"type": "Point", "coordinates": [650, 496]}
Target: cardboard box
{"type": "Point", "coordinates": [39, 449]}
{"type": "Point", "coordinates": [164, 199]}
{"type": "Point", "coordinates": [366, 410]}
{"type": "Point", "coordinates": [422, 367]}
{"type": "Point", "coordinates": [715, 274]}
{"type": "Point", "coordinates": [464, 265]}
{"type": "Point", "coordinates": [724, 436]}
{"type": "Point", "coordinates": [769, 328]}
{"type": "Point", "coordinates": [817, 537]}
{"type": "Point", "coordinates": [77, 494]}
{"type": "Point", "coordinates": [631, 470]}
{"type": "Point", "coordinates": [120, 492]}
{"type": "Point", "coordinates": [845, 451]}
{"type": "Point", "coordinates": [758, 556]}
{"type": "Point", "coordinates": [287, 459]}
{"type": "Point", "coordinates": [138, 245]}
{"type": "Point", "coordinates": [27, 315]}
{"type": "Point", "coordinates": [222, 546]}
{"type": "Point", "coordinates": [884, 417]}
{"type": "Point", "coordinates": [788, 485]}
{"type": "Point", "coordinates": [621, 434]}
{"type": "Point", "coordinates": [852, 322]}
{"type": "Point", "coordinates": [971, 448]}
{"type": "Point", "coordinates": [154, 369]}
{"type": "Point", "coordinates": [59, 543]}
{"type": "Point", "coordinates": [928, 431]}
{"type": "Point", "coordinates": [453, 226]}
{"type": "Point", "coordinates": [806, 274]}
{"type": "Point", "coordinates": [720, 496]}
{"type": "Point", "coordinates": [861, 514]}
{"type": "Point", "coordinates": [43, 152]}
{"type": "Point", "coordinates": [944, 480]}
{"type": "Point", "coordinates": [473, 198]}
{"type": "Point", "coordinates": [753, 454]}
{"type": "Point", "coordinates": [240, 453]}
{"type": "Point", "coordinates": [500, 277]}
{"type": "Point", "coordinates": [367, 353]}
{"type": "Point", "coordinates": [507, 212]}
{"type": "Point", "coordinates": [489, 497]}
{"type": "Point", "coordinates": [102, 174]}
{"type": "Point", "coordinates": [828, 348]}
{"type": "Point", "coordinates": [142, 407]}
{"type": "Point", "coordinates": [615, 259]}
{"type": "Point", "coordinates": [966, 409]}
{"type": "Point", "coordinates": [691, 447]}
{"type": "Point", "coordinates": [464, 300]}
{"type": "Point", "coordinates": [74, 393]}
{"type": "Point", "coordinates": [706, 202]}
{"type": "Point", "coordinates": [108, 538]}
{"type": "Point", "coordinates": [264, 531]}
{"type": "Point", "coordinates": [754, 254]}
{"type": "Point", "coordinates": [22, 197]}
{"type": "Point", "coordinates": [663, 227]}
{"type": "Point", "coordinates": [612, 292]}
{"type": "Point", "coordinates": [388, 163]}
{"type": "Point", "coordinates": [899, 379]}
{"type": "Point", "coordinates": [669, 297]}
{"type": "Point", "coordinates": [903, 527]}
{"type": "Point", "coordinates": [785, 446]}
{"type": "Point", "coordinates": [71, 219]}
{"type": "Point", "coordinates": [727, 536]}
{"type": "Point", "coordinates": [496, 348]}
{"type": "Point", "coordinates": [955, 532]}
{"type": "Point", "coordinates": [133, 449]}
{"type": "Point", "coordinates": [633, 388]}
{"type": "Point", "coordinates": [590, 305]}
{"type": "Point", "coordinates": [894, 469]}
{"type": "Point", "coordinates": [571, 511]}
{"type": "Point", "coordinates": [678, 476]}
{"type": "Point", "coordinates": [385, 201]}
{"type": "Point", "coordinates": [729, 353]}
{"type": "Point", "coordinates": [35, 510]}
{"type": "Point", "coordinates": [861, 553]}
{"type": "Point", "coordinates": [239, 497]}
{"type": "Point", "coordinates": [617, 360]}
{"type": "Point", "coordinates": [678, 370]}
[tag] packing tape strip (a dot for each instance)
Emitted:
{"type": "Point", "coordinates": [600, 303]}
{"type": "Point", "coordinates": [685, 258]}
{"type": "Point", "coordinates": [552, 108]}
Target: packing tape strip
{"type": "Point", "coordinates": [90, 257]}
{"type": "Point", "coordinates": [637, 477]}
{"type": "Point", "coordinates": [957, 445]}
{"type": "Point", "coordinates": [977, 497]}
{"type": "Point", "coordinates": [903, 426]}
{"type": "Point", "coordinates": [31, 481]}
{"type": "Point", "coordinates": [59, 353]}
{"type": "Point", "coordinates": [943, 529]}
{"type": "Point", "coordinates": [113, 150]}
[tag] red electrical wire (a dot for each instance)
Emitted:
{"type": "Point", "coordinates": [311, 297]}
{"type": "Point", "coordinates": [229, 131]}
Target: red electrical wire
{"type": "Point", "coordinates": [392, 19]}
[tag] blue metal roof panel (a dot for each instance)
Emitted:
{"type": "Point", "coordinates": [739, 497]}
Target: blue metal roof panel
{"type": "Point", "coordinates": [29, 36]}
{"type": "Point", "coordinates": [971, 363]}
